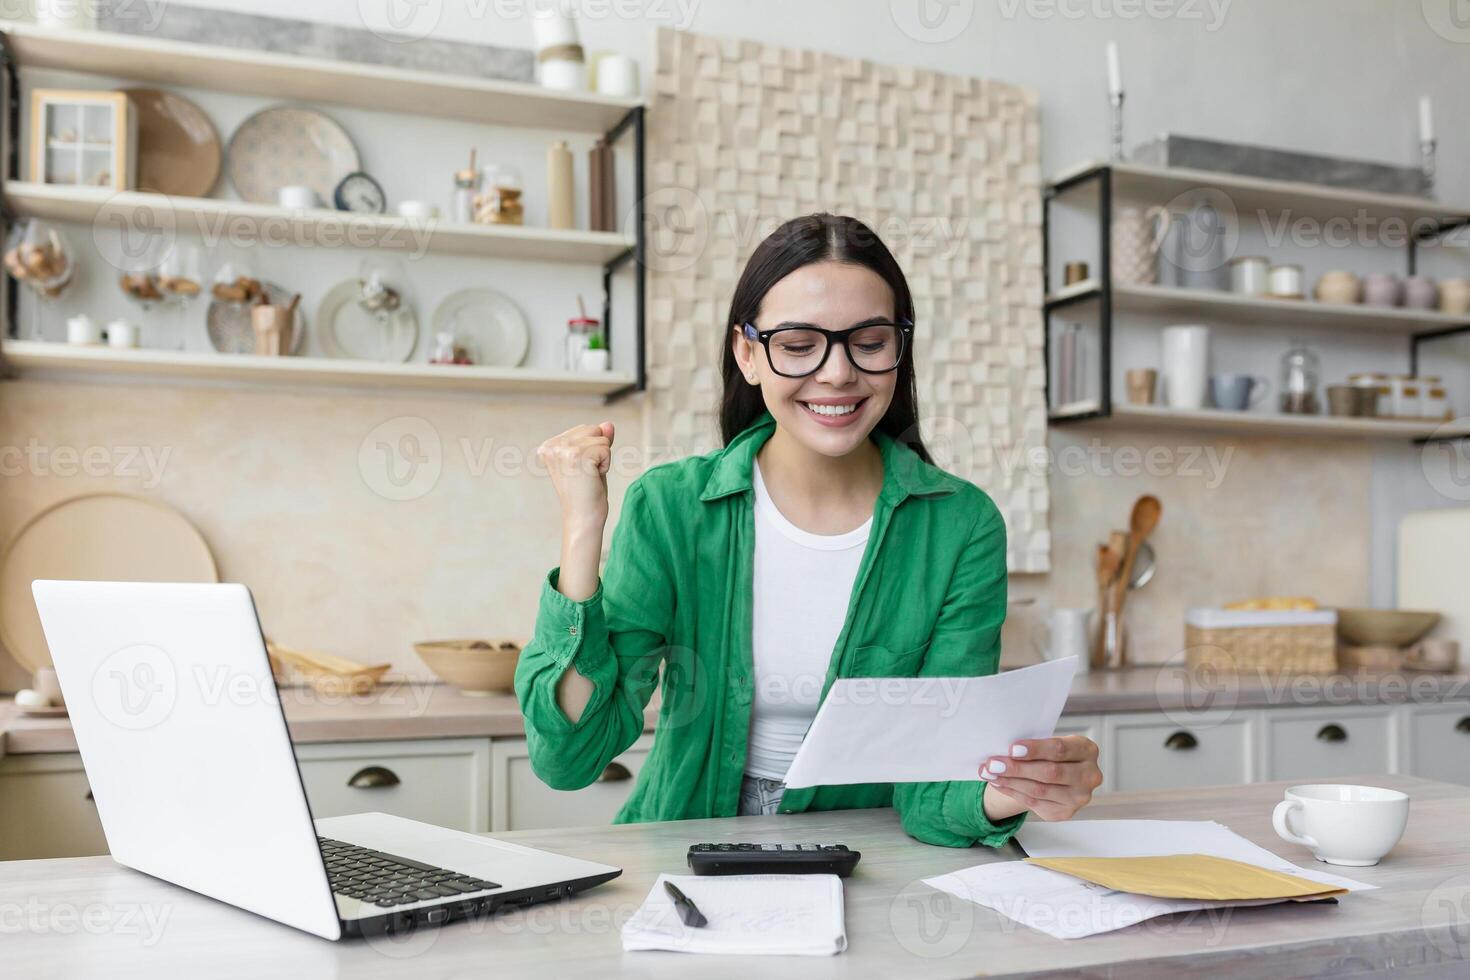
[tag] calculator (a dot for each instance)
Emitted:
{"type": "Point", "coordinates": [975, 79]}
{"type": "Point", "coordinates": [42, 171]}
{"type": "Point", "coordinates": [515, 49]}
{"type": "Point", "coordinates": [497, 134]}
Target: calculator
{"type": "Point", "coordinates": [772, 859]}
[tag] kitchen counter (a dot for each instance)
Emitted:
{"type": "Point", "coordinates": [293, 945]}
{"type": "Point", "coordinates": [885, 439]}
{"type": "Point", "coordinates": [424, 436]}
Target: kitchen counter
{"type": "Point", "coordinates": [86, 916]}
{"type": "Point", "coordinates": [426, 709]}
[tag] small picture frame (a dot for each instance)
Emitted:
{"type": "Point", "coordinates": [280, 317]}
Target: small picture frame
{"type": "Point", "coordinates": [83, 138]}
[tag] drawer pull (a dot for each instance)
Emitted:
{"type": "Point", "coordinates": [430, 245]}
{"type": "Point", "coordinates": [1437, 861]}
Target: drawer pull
{"type": "Point", "coordinates": [1181, 742]}
{"type": "Point", "coordinates": [373, 777]}
{"type": "Point", "coordinates": [1332, 733]}
{"type": "Point", "coordinates": [615, 772]}
{"type": "Point", "coordinates": [1463, 725]}
{"type": "Point", "coordinates": [90, 797]}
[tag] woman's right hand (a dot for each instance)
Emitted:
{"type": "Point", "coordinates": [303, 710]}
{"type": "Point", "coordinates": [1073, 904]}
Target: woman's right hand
{"type": "Point", "coordinates": [578, 460]}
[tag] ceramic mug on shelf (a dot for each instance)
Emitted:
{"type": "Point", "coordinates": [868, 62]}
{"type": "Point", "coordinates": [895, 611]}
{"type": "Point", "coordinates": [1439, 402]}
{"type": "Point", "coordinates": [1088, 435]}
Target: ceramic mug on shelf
{"type": "Point", "coordinates": [1067, 635]}
{"type": "Point", "coordinates": [122, 333]}
{"type": "Point", "coordinates": [1382, 289]}
{"type": "Point", "coordinates": [1249, 275]}
{"type": "Point", "coordinates": [82, 330]}
{"type": "Point", "coordinates": [297, 197]}
{"type": "Point", "coordinates": [1237, 392]}
{"type": "Point", "coordinates": [1421, 293]}
{"type": "Point", "coordinates": [1338, 286]}
{"type": "Point", "coordinates": [1284, 281]}
{"type": "Point", "coordinates": [1186, 361]}
{"type": "Point", "coordinates": [617, 75]}
{"type": "Point", "coordinates": [1454, 296]}
{"type": "Point", "coordinates": [1141, 384]}
{"type": "Point", "coordinates": [1343, 824]}
{"type": "Point", "coordinates": [1136, 237]}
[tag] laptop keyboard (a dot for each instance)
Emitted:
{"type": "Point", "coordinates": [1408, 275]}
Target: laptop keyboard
{"type": "Point", "coordinates": [387, 880]}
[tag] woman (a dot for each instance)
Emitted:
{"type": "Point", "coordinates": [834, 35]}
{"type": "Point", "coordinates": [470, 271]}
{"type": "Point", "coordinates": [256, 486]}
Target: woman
{"type": "Point", "coordinates": [820, 542]}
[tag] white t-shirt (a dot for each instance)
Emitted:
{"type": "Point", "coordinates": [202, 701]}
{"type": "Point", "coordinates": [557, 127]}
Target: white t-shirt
{"type": "Point", "coordinates": [802, 584]}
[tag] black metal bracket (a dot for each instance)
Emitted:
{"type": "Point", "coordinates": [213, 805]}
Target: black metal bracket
{"type": "Point", "coordinates": [1102, 293]}
{"type": "Point", "coordinates": [632, 122]}
{"type": "Point", "coordinates": [9, 170]}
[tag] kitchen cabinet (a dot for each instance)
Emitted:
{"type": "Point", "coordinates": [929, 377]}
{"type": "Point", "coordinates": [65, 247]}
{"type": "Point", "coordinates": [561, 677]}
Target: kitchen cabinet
{"type": "Point", "coordinates": [1435, 741]}
{"type": "Point", "coordinates": [521, 801]}
{"type": "Point", "coordinates": [46, 808]}
{"type": "Point", "coordinates": [1324, 743]}
{"type": "Point", "coordinates": [443, 781]}
{"type": "Point", "coordinates": [1149, 750]}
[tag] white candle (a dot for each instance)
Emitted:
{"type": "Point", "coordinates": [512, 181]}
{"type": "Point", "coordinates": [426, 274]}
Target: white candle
{"type": "Point", "coordinates": [1115, 76]}
{"type": "Point", "coordinates": [1426, 120]}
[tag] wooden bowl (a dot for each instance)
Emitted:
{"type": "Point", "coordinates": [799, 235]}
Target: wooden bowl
{"type": "Point", "coordinates": [476, 667]}
{"type": "Point", "coordinates": [327, 674]}
{"type": "Point", "coordinates": [1383, 627]}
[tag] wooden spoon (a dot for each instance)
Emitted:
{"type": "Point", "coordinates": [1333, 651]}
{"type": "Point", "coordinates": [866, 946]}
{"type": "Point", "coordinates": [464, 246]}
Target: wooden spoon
{"type": "Point", "coordinates": [1141, 523]}
{"type": "Point", "coordinates": [1108, 564]}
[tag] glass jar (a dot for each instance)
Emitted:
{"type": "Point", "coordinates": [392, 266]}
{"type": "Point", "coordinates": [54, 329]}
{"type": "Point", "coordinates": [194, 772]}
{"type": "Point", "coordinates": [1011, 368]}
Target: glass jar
{"type": "Point", "coordinates": [1301, 373]}
{"type": "Point", "coordinates": [579, 333]}
{"type": "Point", "coordinates": [1436, 403]}
{"type": "Point", "coordinates": [1404, 399]}
{"type": "Point", "coordinates": [499, 199]}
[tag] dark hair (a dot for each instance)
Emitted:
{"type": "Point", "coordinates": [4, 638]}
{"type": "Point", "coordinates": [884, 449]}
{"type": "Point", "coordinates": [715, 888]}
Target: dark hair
{"type": "Point", "coordinates": [797, 243]}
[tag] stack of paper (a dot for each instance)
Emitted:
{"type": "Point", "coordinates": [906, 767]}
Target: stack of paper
{"type": "Point", "coordinates": [783, 914]}
{"type": "Point", "coordinates": [927, 729]}
{"type": "Point", "coordinates": [1069, 907]}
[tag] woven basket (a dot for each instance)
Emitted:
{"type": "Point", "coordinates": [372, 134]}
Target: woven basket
{"type": "Point", "coordinates": [1231, 642]}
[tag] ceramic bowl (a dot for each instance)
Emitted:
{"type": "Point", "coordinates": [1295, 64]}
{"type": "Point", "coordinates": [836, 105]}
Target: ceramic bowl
{"type": "Point", "coordinates": [1338, 286]}
{"type": "Point", "coordinates": [1384, 627]}
{"type": "Point", "coordinates": [476, 667]}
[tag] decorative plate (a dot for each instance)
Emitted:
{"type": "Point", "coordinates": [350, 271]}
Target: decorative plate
{"type": "Point", "coordinates": [283, 146]}
{"type": "Point", "coordinates": [346, 328]}
{"type": "Point", "coordinates": [178, 149]}
{"type": "Point", "coordinates": [488, 323]}
{"type": "Point", "coordinates": [228, 324]}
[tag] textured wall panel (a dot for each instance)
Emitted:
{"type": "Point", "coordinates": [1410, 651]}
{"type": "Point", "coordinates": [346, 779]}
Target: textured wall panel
{"type": "Point", "coordinates": [743, 136]}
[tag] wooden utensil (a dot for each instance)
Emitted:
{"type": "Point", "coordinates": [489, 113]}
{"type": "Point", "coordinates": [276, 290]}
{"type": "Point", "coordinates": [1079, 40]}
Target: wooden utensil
{"type": "Point", "coordinates": [1109, 562]}
{"type": "Point", "coordinates": [1141, 523]}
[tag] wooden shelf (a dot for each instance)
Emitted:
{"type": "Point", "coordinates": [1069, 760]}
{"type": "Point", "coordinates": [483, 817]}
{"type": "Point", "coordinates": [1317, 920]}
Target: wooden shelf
{"type": "Point", "coordinates": [207, 217]}
{"type": "Point", "coordinates": [62, 359]}
{"type": "Point", "coordinates": [1159, 184]}
{"type": "Point", "coordinates": [241, 70]}
{"type": "Point", "coordinates": [1272, 424]}
{"type": "Point", "coordinates": [1236, 308]}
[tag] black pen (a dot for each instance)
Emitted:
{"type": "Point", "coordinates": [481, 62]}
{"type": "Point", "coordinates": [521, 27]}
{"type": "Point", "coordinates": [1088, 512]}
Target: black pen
{"type": "Point", "coordinates": [688, 911]}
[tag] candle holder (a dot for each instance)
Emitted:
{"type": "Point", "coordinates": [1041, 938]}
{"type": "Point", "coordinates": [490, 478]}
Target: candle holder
{"type": "Point", "coordinates": [1116, 101]}
{"type": "Point", "coordinates": [1426, 163]}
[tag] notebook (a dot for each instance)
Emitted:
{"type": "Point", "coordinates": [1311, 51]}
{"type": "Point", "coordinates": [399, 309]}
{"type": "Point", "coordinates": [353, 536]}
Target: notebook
{"type": "Point", "coordinates": [789, 915]}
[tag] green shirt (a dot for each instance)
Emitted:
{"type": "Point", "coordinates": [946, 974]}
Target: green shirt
{"type": "Point", "coordinates": [929, 600]}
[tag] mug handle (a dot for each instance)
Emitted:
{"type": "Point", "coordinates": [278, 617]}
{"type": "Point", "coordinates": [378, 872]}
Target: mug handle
{"type": "Point", "coordinates": [1281, 820]}
{"type": "Point", "coordinates": [1260, 390]}
{"type": "Point", "coordinates": [1159, 218]}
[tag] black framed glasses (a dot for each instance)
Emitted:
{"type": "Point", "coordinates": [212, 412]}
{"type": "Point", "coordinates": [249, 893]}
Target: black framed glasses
{"type": "Point", "coordinates": [797, 350]}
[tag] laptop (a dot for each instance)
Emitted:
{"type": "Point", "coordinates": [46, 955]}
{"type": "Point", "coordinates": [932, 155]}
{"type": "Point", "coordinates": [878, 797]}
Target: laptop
{"type": "Point", "coordinates": [184, 741]}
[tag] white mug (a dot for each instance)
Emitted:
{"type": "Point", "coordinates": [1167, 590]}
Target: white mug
{"type": "Point", "coordinates": [122, 333]}
{"type": "Point", "coordinates": [1343, 824]}
{"type": "Point", "coordinates": [296, 196]}
{"type": "Point", "coordinates": [617, 74]}
{"type": "Point", "coordinates": [417, 210]}
{"type": "Point", "coordinates": [1186, 363]}
{"type": "Point", "coordinates": [82, 330]}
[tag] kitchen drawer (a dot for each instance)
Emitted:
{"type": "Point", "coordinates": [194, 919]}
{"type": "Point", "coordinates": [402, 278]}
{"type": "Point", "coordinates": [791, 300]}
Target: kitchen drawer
{"type": "Point", "coordinates": [1146, 750]}
{"type": "Point", "coordinates": [443, 781]}
{"type": "Point", "coordinates": [1321, 743]}
{"type": "Point", "coordinates": [1437, 741]}
{"type": "Point", "coordinates": [521, 801]}
{"type": "Point", "coordinates": [45, 808]}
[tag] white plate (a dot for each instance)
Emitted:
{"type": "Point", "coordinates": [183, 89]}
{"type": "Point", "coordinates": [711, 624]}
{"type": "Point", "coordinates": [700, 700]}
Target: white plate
{"type": "Point", "coordinates": [489, 323]}
{"type": "Point", "coordinates": [283, 146]}
{"type": "Point", "coordinates": [346, 329]}
{"type": "Point", "coordinates": [229, 329]}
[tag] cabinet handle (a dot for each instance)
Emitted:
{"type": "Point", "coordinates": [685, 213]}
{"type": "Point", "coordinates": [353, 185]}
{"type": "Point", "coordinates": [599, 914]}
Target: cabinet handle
{"type": "Point", "coordinates": [90, 797]}
{"type": "Point", "coordinates": [615, 772]}
{"type": "Point", "coordinates": [373, 777]}
{"type": "Point", "coordinates": [1332, 733]}
{"type": "Point", "coordinates": [1463, 725]}
{"type": "Point", "coordinates": [1181, 742]}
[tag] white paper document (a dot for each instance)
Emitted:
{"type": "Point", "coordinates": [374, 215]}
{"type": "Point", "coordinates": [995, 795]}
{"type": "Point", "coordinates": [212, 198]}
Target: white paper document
{"type": "Point", "coordinates": [1069, 908]}
{"type": "Point", "coordinates": [792, 915]}
{"type": "Point", "coordinates": [927, 729]}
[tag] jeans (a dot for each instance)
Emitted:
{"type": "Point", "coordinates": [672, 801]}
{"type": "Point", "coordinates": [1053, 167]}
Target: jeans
{"type": "Point", "coordinates": [759, 796]}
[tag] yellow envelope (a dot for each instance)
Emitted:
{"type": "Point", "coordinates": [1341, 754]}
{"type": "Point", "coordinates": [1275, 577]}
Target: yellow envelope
{"type": "Point", "coordinates": [1197, 876]}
